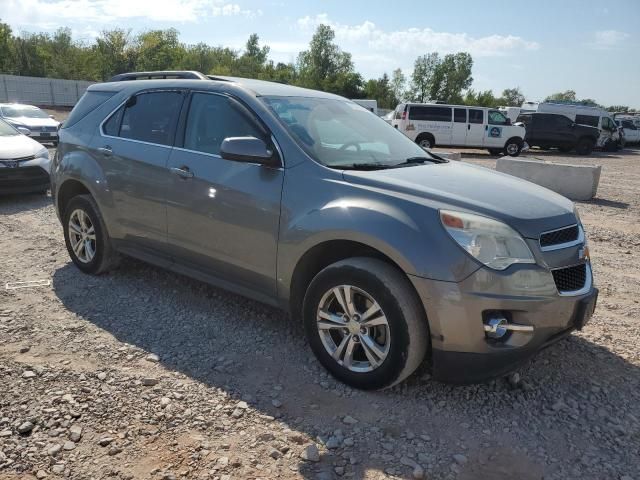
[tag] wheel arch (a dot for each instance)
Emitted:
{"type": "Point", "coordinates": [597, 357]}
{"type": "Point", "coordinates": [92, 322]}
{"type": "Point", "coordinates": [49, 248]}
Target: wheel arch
{"type": "Point", "coordinates": [324, 254]}
{"type": "Point", "coordinates": [67, 190]}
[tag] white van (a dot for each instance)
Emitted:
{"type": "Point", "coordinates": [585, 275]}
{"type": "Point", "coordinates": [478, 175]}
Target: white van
{"type": "Point", "coordinates": [584, 115]}
{"type": "Point", "coordinates": [459, 126]}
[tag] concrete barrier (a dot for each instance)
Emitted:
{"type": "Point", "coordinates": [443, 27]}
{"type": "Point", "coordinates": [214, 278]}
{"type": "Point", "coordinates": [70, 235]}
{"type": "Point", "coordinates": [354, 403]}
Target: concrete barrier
{"type": "Point", "coordinates": [577, 182]}
{"type": "Point", "coordinates": [448, 155]}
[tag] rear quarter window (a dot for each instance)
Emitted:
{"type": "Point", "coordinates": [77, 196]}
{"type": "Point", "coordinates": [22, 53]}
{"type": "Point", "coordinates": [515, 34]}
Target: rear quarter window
{"type": "Point", "coordinates": [430, 114]}
{"type": "Point", "coordinates": [91, 100]}
{"type": "Point", "coordinates": [590, 120]}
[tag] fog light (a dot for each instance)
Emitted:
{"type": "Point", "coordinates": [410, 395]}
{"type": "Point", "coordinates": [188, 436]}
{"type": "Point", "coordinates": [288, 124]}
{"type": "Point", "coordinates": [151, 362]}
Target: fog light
{"type": "Point", "coordinates": [496, 327]}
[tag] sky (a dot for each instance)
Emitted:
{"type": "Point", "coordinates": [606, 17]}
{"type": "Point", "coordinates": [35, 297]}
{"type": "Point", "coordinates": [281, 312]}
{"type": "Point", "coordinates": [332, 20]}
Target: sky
{"type": "Point", "coordinates": [542, 46]}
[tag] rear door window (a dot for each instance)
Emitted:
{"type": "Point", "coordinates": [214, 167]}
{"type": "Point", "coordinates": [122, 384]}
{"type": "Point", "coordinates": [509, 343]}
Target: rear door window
{"type": "Point", "coordinates": [152, 117]}
{"type": "Point", "coordinates": [430, 114]}
{"type": "Point", "coordinates": [460, 115]}
{"type": "Point", "coordinates": [476, 116]}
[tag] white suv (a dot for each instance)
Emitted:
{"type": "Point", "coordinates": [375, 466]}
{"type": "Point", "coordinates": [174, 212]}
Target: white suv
{"type": "Point", "coordinates": [459, 126]}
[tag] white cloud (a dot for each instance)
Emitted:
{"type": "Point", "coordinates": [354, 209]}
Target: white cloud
{"type": "Point", "coordinates": [417, 40]}
{"type": "Point", "coordinates": [25, 14]}
{"type": "Point", "coordinates": [607, 39]}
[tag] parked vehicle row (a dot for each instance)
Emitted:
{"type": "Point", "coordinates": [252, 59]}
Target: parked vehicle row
{"type": "Point", "coordinates": [388, 254]}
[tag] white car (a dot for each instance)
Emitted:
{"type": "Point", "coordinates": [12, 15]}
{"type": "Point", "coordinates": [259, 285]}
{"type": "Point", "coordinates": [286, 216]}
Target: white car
{"type": "Point", "coordinates": [24, 163]}
{"type": "Point", "coordinates": [42, 127]}
{"type": "Point", "coordinates": [430, 124]}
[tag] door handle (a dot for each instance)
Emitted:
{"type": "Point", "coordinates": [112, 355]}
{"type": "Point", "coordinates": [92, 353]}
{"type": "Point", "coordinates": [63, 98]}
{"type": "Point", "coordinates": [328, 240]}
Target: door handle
{"type": "Point", "coordinates": [106, 150]}
{"type": "Point", "coordinates": [469, 126]}
{"type": "Point", "coordinates": [182, 172]}
{"type": "Point", "coordinates": [486, 127]}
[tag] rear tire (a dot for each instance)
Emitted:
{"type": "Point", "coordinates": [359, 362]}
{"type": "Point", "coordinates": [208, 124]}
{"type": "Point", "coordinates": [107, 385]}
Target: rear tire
{"type": "Point", "coordinates": [426, 141]}
{"type": "Point", "coordinates": [584, 146]}
{"type": "Point", "coordinates": [342, 338]}
{"type": "Point", "coordinates": [86, 236]}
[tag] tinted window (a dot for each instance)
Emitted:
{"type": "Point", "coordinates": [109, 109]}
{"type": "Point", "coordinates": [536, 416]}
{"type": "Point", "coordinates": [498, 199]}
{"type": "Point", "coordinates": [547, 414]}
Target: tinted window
{"type": "Point", "coordinates": [526, 119]}
{"type": "Point", "coordinates": [460, 115]}
{"type": "Point", "coordinates": [497, 118]}
{"type": "Point", "coordinates": [607, 123]}
{"type": "Point", "coordinates": [152, 118]}
{"type": "Point", "coordinates": [587, 120]}
{"type": "Point", "coordinates": [212, 118]}
{"type": "Point", "coordinates": [88, 102]}
{"type": "Point", "coordinates": [431, 114]}
{"type": "Point", "coordinates": [112, 126]}
{"type": "Point", "coordinates": [476, 116]}
{"type": "Point", "coordinates": [562, 122]}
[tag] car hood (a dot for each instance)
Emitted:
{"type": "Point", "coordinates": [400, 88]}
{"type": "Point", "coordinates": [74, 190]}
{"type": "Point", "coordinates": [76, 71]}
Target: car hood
{"type": "Point", "coordinates": [30, 122]}
{"type": "Point", "coordinates": [18, 146]}
{"type": "Point", "coordinates": [527, 207]}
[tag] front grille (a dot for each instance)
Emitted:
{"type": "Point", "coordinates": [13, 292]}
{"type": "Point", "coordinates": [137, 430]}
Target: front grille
{"type": "Point", "coordinates": [19, 159]}
{"type": "Point", "coordinates": [15, 178]}
{"type": "Point", "coordinates": [557, 237]}
{"type": "Point", "coordinates": [571, 278]}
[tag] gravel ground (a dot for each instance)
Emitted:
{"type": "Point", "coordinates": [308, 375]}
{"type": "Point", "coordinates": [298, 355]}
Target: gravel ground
{"type": "Point", "coordinates": [145, 374]}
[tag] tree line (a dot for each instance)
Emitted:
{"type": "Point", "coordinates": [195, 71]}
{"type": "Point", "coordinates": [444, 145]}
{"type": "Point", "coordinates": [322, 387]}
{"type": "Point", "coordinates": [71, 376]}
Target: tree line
{"type": "Point", "coordinates": [323, 66]}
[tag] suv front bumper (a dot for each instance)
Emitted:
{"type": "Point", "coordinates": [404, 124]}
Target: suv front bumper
{"type": "Point", "coordinates": [526, 295]}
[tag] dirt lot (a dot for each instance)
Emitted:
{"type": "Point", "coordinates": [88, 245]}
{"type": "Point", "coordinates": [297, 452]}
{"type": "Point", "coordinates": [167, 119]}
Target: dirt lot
{"type": "Point", "coordinates": [145, 374]}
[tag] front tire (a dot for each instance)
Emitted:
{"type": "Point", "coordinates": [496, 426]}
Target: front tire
{"type": "Point", "coordinates": [365, 323]}
{"type": "Point", "coordinates": [513, 147]}
{"type": "Point", "coordinates": [584, 146]}
{"type": "Point", "coordinates": [86, 237]}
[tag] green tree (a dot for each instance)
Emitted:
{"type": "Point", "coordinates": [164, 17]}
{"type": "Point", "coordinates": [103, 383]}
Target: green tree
{"type": "Point", "coordinates": [158, 50]}
{"type": "Point", "coordinates": [566, 96]}
{"type": "Point", "coordinates": [484, 98]}
{"type": "Point", "coordinates": [325, 66]}
{"type": "Point", "coordinates": [422, 78]}
{"type": "Point", "coordinates": [398, 85]}
{"type": "Point", "coordinates": [113, 53]}
{"type": "Point", "coordinates": [451, 76]}
{"type": "Point", "coordinates": [7, 50]}
{"type": "Point", "coordinates": [381, 90]}
{"type": "Point", "coordinates": [512, 97]}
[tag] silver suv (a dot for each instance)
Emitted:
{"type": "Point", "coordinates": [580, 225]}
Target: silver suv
{"type": "Point", "coordinates": [301, 199]}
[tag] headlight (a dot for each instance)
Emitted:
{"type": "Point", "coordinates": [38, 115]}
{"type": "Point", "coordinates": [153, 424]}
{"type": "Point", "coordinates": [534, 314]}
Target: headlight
{"type": "Point", "coordinates": [489, 241]}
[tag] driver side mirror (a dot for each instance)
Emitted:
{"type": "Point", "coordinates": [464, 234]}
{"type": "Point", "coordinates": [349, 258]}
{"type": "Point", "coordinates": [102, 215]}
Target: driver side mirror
{"type": "Point", "coordinates": [249, 150]}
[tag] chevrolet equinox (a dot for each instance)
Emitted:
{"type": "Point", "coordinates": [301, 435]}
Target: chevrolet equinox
{"type": "Point", "coordinates": [301, 199]}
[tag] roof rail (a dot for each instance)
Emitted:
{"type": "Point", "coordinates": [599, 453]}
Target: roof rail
{"type": "Point", "coordinates": [159, 75]}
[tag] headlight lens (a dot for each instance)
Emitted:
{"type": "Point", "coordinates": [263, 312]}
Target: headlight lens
{"type": "Point", "coordinates": [489, 241]}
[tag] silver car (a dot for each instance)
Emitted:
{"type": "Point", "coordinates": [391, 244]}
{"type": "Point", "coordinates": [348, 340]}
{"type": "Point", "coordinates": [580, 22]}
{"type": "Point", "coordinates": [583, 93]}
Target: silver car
{"type": "Point", "coordinates": [389, 255]}
{"type": "Point", "coordinates": [39, 124]}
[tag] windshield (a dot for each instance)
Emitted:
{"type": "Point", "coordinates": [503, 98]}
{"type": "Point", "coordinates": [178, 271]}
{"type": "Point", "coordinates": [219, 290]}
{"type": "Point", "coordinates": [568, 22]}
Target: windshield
{"type": "Point", "coordinates": [340, 133]}
{"type": "Point", "coordinates": [7, 130]}
{"type": "Point", "coordinates": [23, 111]}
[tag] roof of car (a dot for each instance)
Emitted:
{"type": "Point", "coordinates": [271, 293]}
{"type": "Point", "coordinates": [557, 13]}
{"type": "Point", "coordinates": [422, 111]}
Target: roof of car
{"type": "Point", "coordinates": [144, 80]}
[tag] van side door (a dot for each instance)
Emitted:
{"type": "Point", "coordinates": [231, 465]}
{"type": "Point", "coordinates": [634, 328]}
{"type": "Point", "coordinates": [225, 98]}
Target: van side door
{"type": "Point", "coordinates": [475, 128]}
{"type": "Point", "coordinates": [497, 129]}
{"type": "Point", "coordinates": [459, 128]}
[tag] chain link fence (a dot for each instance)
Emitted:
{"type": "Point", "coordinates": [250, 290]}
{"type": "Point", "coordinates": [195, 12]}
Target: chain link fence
{"type": "Point", "coordinates": [43, 92]}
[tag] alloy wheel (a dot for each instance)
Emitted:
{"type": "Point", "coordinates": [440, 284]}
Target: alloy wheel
{"type": "Point", "coordinates": [353, 328]}
{"type": "Point", "coordinates": [82, 236]}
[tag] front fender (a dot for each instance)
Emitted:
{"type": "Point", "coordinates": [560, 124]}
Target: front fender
{"type": "Point", "coordinates": [318, 209]}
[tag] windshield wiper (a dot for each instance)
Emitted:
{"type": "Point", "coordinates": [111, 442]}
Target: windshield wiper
{"type": "Point", "coordinates": [362, 166]}
{"type": "Point", "coordinates": [419, 161]}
